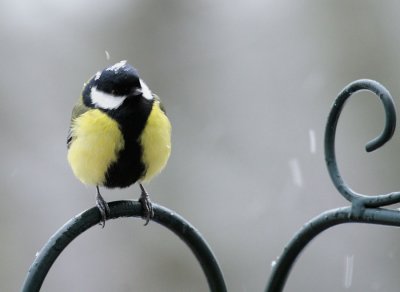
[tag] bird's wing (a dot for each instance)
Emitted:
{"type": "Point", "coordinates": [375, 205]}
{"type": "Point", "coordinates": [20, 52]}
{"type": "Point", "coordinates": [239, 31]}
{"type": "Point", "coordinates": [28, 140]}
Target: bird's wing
{"type": "Point", "coordinates": [78, 110]}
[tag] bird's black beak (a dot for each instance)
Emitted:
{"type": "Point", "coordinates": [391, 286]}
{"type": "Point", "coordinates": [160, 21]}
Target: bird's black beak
{"type": "Point", "coordinates": [137, 92]}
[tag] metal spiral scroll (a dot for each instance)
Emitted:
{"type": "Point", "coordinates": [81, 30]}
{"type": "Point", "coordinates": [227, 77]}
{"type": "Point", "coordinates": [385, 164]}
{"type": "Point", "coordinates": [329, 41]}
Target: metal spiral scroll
{"type": "Point", "coordinates": [386, 135]}
{"type": "Point", "coordinates": [363, 209]}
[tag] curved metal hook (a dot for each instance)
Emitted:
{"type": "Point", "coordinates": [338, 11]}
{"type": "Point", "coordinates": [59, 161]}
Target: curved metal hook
{"type": "Point", "coordinates": [80, 223]}
{"type": "Point", "coordinates": [386, 135]}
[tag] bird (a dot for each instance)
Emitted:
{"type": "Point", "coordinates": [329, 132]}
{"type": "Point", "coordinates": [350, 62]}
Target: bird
{"type": "Point", "coordinates": [119, 135]}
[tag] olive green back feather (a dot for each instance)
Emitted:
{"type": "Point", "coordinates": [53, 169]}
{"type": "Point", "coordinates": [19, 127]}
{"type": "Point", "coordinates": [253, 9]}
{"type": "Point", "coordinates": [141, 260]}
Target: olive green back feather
{"type": "Point", "coordinates": [159, 100]}
{"type": "Point", "coordinates": [78, 110]}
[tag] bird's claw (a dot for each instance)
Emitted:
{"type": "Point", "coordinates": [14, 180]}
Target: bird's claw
{"type": "Point", "coordinates": [147, 206]}
{"type": "Point", "coordinates": [103, 208]}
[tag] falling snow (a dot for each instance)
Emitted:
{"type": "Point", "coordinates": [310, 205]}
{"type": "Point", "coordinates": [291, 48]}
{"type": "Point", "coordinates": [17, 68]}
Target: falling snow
{"type": "Point", "coordinates": [296, 172]}
{"type": "Point", "coordinates": [348, 276]}
{"type": "Point", "coordinates": [313, 144]}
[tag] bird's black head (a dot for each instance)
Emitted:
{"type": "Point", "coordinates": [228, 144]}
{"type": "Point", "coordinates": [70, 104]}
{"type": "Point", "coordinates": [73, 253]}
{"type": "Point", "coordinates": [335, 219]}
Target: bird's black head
{"type": "Point", "coordinates": [108, 89]}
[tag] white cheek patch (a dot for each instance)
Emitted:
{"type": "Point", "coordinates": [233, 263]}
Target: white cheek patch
{"type": "Point", "coordinates": [104, 100]}
{"type": "Point", "coordinates": [146, 91]}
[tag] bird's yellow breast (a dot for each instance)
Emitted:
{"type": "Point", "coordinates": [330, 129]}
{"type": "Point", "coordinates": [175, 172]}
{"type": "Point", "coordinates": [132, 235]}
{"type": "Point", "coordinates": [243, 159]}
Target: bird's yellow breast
{"type": "Point", "coordinates": [155, 141]}
{"type": "Point", "coordinates": [96, 141]}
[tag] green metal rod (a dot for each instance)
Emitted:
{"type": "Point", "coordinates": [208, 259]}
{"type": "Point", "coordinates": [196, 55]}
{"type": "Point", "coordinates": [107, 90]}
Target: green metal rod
{"type": "Point", "coordinates": [314, 227]}
{"type": "Point", "coordinates": [387, 133]}
{"type": "Point", "coordinates": [80, 223]}
{"type": "Point", "coordinates": [364, 209]}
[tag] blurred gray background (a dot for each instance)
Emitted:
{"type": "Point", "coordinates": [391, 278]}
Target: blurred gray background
{"type": "Point", "coordinates": [248, 86]}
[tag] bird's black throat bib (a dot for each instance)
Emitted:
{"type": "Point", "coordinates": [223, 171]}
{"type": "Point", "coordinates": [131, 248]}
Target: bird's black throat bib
{"type": "Point", "coordinates": [129, 167]}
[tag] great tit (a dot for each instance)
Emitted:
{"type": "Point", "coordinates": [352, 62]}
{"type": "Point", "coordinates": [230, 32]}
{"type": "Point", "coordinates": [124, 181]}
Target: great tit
{"type": "Point", "coordinates": [119, 134]}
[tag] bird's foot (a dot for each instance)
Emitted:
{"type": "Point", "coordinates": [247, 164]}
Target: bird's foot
{"type": "Point", "coordinates": [103, 208]}
{"type": "Point", "coordinates": [147, 206]}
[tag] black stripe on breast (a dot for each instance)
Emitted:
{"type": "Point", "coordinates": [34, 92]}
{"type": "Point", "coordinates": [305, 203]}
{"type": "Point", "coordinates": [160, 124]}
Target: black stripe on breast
{"type": "Point", "coordinates": [131, 117]}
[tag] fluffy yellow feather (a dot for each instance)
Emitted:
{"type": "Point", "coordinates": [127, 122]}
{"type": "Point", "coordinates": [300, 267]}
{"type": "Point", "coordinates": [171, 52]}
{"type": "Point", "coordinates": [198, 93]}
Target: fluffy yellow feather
{"type": "Point", "coordinates": [96, 143]}
{"type": "Point", "coordinates": [156, 142]}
